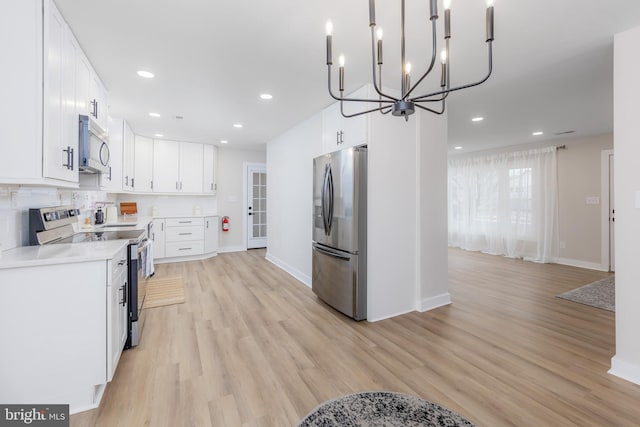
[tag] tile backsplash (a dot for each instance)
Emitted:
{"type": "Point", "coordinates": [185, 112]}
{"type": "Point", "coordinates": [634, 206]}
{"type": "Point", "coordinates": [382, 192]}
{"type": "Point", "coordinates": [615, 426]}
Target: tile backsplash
{"type": "Point", "coordinates": [15, 202]}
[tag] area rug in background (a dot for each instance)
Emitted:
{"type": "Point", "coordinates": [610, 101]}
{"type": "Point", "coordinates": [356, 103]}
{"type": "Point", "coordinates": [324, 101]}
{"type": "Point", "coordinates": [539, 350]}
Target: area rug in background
{"type": "Point", "coordinates": [164, 291]}
{"type": "Point", "coordinates": [600, 294]}
{"type": "Point", "coordinates": [381, 408]}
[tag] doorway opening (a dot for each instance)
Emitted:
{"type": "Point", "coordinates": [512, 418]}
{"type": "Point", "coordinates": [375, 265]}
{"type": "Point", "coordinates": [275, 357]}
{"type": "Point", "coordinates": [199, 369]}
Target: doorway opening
{"type": "Point", "coordinates": [608, 235]}
{"type": "Point", "coordinates": [256, 205]}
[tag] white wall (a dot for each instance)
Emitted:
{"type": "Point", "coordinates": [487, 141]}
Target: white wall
{"type": "Point", "coordinates": [231, 192]}
{"type": "Point", "coordinates": [626, 362]}
{"type": "Point", "coordinates": [290, 197]}
{"type": "Point", "coordinates": [431, 194]}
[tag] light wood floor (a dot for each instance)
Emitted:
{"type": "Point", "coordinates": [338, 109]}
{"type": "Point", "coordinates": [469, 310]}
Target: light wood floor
{"type": "Point", "coordinates": [254, 347]}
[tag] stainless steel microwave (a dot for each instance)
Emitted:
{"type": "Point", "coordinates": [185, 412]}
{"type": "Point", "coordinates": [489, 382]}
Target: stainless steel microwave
{"type": "Point", "coordinates": [94, 147]}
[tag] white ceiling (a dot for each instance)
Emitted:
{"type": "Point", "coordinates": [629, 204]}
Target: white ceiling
{"type": "Point", "coordinates": [553, 63]}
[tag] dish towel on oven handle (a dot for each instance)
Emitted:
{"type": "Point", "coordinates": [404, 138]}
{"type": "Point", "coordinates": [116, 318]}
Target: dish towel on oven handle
{"type": "Point", "coordinates": [149, 265]}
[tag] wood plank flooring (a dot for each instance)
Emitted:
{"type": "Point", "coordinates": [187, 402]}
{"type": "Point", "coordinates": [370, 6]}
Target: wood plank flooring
{"type": "Point", "coordinates": [253, 347]}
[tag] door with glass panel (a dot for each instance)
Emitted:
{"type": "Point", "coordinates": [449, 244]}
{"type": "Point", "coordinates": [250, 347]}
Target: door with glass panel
{"type": "Point", "coordinates": [257, 206]}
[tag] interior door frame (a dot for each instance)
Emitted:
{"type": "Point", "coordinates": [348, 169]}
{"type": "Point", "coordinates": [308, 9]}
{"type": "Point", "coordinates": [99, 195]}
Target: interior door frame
{"type": "Point", "coordinates": [604, 210]}
{"type": "Point", "coordinates": [245, 206]}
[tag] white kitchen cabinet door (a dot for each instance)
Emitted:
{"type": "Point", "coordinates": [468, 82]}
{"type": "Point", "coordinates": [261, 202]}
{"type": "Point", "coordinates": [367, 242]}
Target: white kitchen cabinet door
{"type": "Point", "coordinates": [128, 158]}
{"type": "Point", "coordinates": [210, 234]}
{"type": "Point", "coordinates": [209, 169]}
{"type": "Point", "coordinates": [159, 238]}
{"type": "Point", "coordinates": [112, 180]}
{"type": "Point", "coordinates": [99, 101]}
{"type": "Point", "coordinates": [143, 165]}
{"type": "Point", "coordinates": [83, 85]}
{"type": "Point", "coordinates": [339, 132]}
{"type": "Point", "coordinates": [60, 142]}
{"type": "Point", "coordinates": [166, 163]}
{"type": "Point", "coordinates": [191, 166]}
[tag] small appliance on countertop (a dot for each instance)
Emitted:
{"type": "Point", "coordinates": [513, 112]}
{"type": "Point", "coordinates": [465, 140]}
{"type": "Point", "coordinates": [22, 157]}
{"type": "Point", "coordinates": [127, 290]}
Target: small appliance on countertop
{"type": "Point", "coordinates": [99, 215]}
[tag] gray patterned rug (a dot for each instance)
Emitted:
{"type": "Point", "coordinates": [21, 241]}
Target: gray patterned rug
{"type": "Point", "coordinates": [381, 409]}
{"type": "Point", "coordinates": [600, 294]}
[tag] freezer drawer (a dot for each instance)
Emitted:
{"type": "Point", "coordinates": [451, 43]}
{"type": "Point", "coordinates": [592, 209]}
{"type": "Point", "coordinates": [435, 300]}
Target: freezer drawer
{"type": "Point", "coordinates": [340, 280]}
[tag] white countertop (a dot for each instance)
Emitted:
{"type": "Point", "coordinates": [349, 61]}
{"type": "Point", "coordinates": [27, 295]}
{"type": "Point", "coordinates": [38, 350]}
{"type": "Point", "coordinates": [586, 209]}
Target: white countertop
{"type": "Point", "coordinates": [63, 253]}
{"type": "Point", "coordinates": [66, 253]}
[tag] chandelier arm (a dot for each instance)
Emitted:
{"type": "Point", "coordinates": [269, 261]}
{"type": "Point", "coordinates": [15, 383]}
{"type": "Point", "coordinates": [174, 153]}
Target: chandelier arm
{"type": "Point", "coordinates": [433, 59]}
{"type": "Point", "coordinates": [430, 110]}
{"type": "Point", "coordinates": [421, 97]}
{"type": "Point", "coordinates": [442, 98]}
{"type": "Point", "coordinates": [361, 113]}
{"type": "Point", "coordinates": [341, 98]}
{"type": "Point", "coordinates": [373, 60]}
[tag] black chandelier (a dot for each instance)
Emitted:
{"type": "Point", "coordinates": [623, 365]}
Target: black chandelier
{"type": "Point", "coordinates": [406, 104]}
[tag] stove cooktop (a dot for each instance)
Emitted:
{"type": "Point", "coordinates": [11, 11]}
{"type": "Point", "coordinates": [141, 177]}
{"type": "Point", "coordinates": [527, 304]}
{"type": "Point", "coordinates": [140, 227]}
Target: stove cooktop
{"type": "Point", "coordinates": [97, 236]}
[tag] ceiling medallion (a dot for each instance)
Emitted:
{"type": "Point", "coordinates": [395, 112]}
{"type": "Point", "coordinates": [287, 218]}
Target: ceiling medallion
{"type": "Point", "coordinates": [406, 105]}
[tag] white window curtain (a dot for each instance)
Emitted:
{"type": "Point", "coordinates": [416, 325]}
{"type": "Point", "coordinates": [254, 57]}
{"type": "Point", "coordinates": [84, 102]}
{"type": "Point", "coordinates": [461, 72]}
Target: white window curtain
{"type": "Point", "coordinates": [505, 204]}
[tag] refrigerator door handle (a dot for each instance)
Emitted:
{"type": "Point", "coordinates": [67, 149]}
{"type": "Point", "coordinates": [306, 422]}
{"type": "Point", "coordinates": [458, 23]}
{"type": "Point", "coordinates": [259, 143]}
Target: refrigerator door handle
{"type": "Point", "coordinates": [331, 253]}
{"type": "Point", "coordinates": [330, 185]}
{"type": "Point", "coordinates": [326, 204]}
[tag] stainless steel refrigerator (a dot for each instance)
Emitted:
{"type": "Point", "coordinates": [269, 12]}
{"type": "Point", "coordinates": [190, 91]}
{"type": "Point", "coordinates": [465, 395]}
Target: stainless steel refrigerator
{"type": "Point", "coordinates": [339, 266]}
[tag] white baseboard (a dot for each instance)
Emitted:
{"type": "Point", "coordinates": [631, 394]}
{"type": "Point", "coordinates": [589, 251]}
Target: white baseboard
{"type": "Point", "coordinates": [305, 279]}
{"type": "Point", "coordinates": [434, 302]}
{"type": "Point", "coordinates": [625, 370]}
{"type": "Point", "coordinates": [184, 258]}
{"type": "Point", "coordinates": [387, 316]}
{"type": "Point", "coordinates": [225, 249]}
{"type": "Point", "coordinates": [581, 264]}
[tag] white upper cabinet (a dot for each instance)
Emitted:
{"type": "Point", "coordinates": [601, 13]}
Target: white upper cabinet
{"type": "Point", "coordinates": [339, 132]}
{"type": "Point", "coordinates": [99, 100]}
{"type": "Point", "coordinates": [177, 167]}
{"type": "Point", "coordinates": [128, 158]}
{"type": "Point", "coordinates": [191, 166]}
{"type": "Point", "coordinates": [60, 136]}
{"type": "Point", "coordinates": [209, 185]}
{"type": "Point", "coordinates": [143, 165]}
{"type": "Point", "coordinates": [166, 161]}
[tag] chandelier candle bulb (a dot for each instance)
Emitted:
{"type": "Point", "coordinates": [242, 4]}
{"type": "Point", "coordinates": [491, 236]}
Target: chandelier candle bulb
{"type": "Point", "coordinates": [407, 75]}
{"type": "Point", "coordinates": [379, 34]}
{"type": "Point", "coordinates": [341, 72]}
{"type": "Point", "coordinates": [372, 13]}
{"type": "Point", "coordinates": [490, 21]}
{"type": "Point", "coordinates": [447, 23]}
{"type": "Point", "coordinates": [443, 76]}
{"type": "Point", "coordinates": [434, 9]}
{"type": "Point", "coordinates": [329, 28]}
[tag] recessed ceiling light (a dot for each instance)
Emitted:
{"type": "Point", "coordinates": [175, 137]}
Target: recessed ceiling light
{"type": "Point", "coordinates": [477, 119]}
{"type": "Point", "coordinates": [154, 114]}
{"type": "Point", "coordinates": [224, 141]}
{"type": "Point", "coordinates": [237, 125]}
{"type": "Point", "coordinates": [159, 135]}
{"type": "Point", "coordinates": [457, 148]}
{"type": "Point", "coordinates": [266, 96]}
{"type": "Point", "coordinates": [537, 133]}
{"type": "Point", "coordinates": [146, 74]}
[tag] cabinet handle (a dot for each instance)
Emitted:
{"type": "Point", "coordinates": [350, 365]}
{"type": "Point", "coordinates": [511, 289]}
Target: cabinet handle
{"type": "Point", "coordinates": [212, 186]}
{"type": "Point", "coordinates": [181, 185]}
{"type": "Point", "coordinates": [94, 104]}
{"type": "Point", "coordinates": [69, 164]}
{"type": "Point", "coordinates": [162, 226]}
{"type": "Point", "coordinates": [152, 184]}
{"type": "Point", "coordinates": [110, 178]}
{"type": "Point", "coordinates": [153, 236]}
{"type": "Point", "coordinates": [176, 185]}
{"type": "Point", "coordinates": [185, 234]}
{"type": "Point", "coordinates": [132, 184]}
{"type": "Point", "coordinates": [122, 262]}
{"type": "Point", "coordinates": [184, 249]}
{"type": "Point", "coordinates": [207, 224]}
{"type": "Point", "coordinates": [184, 222]}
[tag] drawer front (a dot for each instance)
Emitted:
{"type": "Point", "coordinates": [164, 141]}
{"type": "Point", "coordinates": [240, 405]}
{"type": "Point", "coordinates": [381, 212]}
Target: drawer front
{"type": "Point", "coordinates": [175, 249]}
{"type": "Point", "coordinates": [184, 222]}
{"type": "Point", "coordinates": [180, 234]}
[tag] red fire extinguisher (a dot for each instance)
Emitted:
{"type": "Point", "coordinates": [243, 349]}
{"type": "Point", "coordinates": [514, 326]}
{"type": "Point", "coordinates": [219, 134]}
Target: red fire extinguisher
{"type": "Point", "coordinates": [225, 223]}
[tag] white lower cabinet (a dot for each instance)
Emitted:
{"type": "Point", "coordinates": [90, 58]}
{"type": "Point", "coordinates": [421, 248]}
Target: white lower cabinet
{"type": "Point", "coordinates": [210, 234]}
{"type": "Point", "coordinates": [185, 237]}
{"type": "Point", "coordinates": [117, 313]}
{"type": "Point", "coordinates": [159, 238]}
